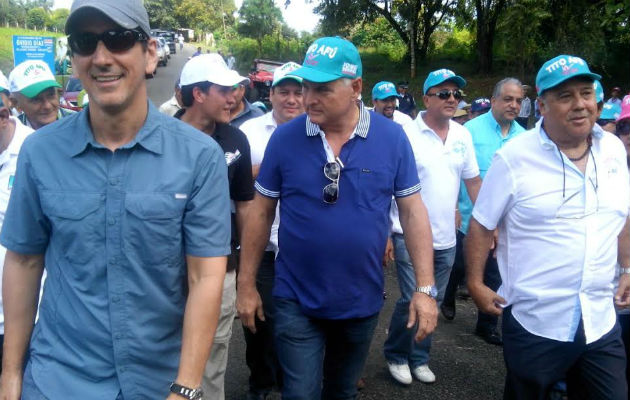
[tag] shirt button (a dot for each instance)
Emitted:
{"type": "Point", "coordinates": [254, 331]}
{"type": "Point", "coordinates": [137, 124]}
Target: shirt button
{"type": "Point", "coordinates": [112, 221]}
{"type": "Point", "coordinates": [118, 336]}
{"type": "Point", "coordinates": [123, 369]}
{"type": "Point", "coordinates": [115, 299]}
{"type": "Point", "coordinates": [113, 181]}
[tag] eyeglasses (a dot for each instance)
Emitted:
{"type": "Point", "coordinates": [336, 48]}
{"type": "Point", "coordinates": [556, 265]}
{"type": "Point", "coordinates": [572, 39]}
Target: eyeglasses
{"type": "Point", "coordinates": [332, 171]}
{"type": "Point", "coordinates": [446, 94]}
{"type": "Point", "coordinates": [569, 211]}
{"type": "Point", "coordinates": [116, 40]}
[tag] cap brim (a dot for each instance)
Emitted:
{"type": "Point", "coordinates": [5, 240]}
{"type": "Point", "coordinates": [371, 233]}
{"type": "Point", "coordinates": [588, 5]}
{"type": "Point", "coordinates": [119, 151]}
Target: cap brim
{"type": "Point", "coordinates": [284, 78]}
{"type": "Point", "coordinates": [591, 75]}
{"type": "Point", "coordinates": [624, 115]}
{"type": "Point", "coordinates": [36, 88]}
{"type": "Point", "coordinates": [112, 13]}
{"type": "Point", "coordinates": [313, 75]}
{"type": "Point", "coordinates": [387, 97]}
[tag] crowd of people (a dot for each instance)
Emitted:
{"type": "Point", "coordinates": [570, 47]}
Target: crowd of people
{"type": "Point", "coordinates": [151, 230]}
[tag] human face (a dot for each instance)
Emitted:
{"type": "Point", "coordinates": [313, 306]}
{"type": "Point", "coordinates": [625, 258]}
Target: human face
{"type": "Point", "coordinates": [239, 93]}
{"type": "Point", "coordinates": [217, 102]}
{"type": "Point", "coordinates": [115, 82]}
{"type": "Point", "coordinates": [507, 106]}
{"type": "Point", "coordinates": [42, 109]}
{"type": "Point", "coordinates": [569, 110]}
{"type": "Point", "coordinates": [609, 126]}
{"type": "Point", "coordinates": [438, 108]}
{"type": "Point", "coordinates": [622, 130]}
{"type": "Point", "coordinates": [287, 101]}
{"type": "Point", "coordinates": [330, 102]}
{"type": "Point", "coordinates": [386, 106]}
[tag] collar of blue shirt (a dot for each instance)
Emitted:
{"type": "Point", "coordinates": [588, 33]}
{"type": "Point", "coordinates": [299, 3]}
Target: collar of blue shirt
{"type": "Point", "coordinates": [361, 130]}
{"type": "Point", "coordinates": [149, 136]}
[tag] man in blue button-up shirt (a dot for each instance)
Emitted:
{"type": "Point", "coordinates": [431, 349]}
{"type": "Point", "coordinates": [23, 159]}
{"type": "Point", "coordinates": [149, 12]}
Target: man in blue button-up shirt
{"type": "Point", "coordinates": [128, 210]}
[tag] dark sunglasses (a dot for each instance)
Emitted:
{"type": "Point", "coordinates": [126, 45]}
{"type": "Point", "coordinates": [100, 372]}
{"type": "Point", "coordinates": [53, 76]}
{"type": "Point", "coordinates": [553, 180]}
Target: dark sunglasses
{"type": "Point", "coordinates": [332, 171]}
{"type": "Point", "coordinates": [116, 40]}
{"type": "Point", "coordinates": [446, 94]}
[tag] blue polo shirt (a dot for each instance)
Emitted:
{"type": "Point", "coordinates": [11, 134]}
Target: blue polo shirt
{"type": "Point", "coordinates": [114, 228]}
{"type": "Point", "coordinates": [487, 139]}
{"type": "Point", "coordinates": [330, 254]}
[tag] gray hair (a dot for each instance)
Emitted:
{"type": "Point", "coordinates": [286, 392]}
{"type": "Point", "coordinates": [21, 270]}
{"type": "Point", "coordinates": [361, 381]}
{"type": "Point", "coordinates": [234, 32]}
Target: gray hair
{"type": "Point", "coordinates": [505, 81]}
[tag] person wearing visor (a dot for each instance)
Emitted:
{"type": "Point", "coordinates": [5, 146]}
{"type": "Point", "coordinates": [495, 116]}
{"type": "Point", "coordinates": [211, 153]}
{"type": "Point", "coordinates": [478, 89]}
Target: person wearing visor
{"type": "Point", "coordinates": [558, 195]}
{"type": "Point", "coordinates": [444, 155]}
{"type": "Point", "coordinates": [384, 97]}
{"type": "Point", "coordinates": [208, 89]}
{"type": "Point", "coordinates": [128, 210]}
{"type": "Point", "coordinates": [335, 170]}
{"type": "Point", "coordinates": [36, 93]}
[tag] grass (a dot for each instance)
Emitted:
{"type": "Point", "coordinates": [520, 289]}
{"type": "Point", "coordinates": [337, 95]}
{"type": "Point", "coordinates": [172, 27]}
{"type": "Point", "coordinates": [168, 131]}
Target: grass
{"type": "Point", "coordinates": [6, 44]}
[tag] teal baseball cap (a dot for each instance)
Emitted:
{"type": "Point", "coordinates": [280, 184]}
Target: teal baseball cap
{"type": "Point", "coordinates": [560, 69]}
{"type": "Point", "coordinates": [610, 111]}
{"type": "Point", "coordinates": [440, 76]}
{"type": "Point", "coordinates": [384, 90]}
{"type": "Point", "coordinates": [599, 91]}
{"type": "Point", "coordinates": [329, 59]}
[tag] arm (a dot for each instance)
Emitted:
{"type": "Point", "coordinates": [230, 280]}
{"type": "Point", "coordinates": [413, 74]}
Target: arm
{"type": "Point", "coordinates": [414, 220]}
{"type": "Point", "coordinates": [242, 208]}
{"type": "Point", "coordinates": [205, 283]}
{"type": "Point", "coordinates": [476, 247]}
{"type": "Point", "coordinates": [472, 187]}
{"type": "Point", "coordinates": [255, 170]}
{"type": "Point", "coordinates": [255, 237]}
{"type": "Point", "coordinates": [622, 297]}
{"type": "Point", "coordinates": [21, 282]}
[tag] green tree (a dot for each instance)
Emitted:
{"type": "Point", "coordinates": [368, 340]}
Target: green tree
{"type": "Point", "coordinates": [37, 18]}
{"type": "Point", "coordinates": [259, 18]}
{"type": "Point", "coordinates": [204, 15]}
{"type": "Point", "coordinates": [57, 20]}
{"type": "Point", "coordinates": [161, 13]}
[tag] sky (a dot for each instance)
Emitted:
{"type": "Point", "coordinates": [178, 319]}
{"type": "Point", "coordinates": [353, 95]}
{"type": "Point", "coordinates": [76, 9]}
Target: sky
{"type": "Point", "coordinates": [298, 15]}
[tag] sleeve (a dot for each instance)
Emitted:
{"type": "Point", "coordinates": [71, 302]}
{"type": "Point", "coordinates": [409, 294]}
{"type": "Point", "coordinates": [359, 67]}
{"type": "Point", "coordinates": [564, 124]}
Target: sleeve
{"type": "Point", "coordinates": [242, 186]}
{"type": "Point", "coordinates": [471, 169]}
{"type": "Point", "coordinates": [269, 180]}
{"type": "Point", "coordinates": [25, 229]}
{"type": "Point", "coordinates": [206, 223]}
{"type": "Point", "coordinates": [406, 181]}
{"type": "Point", "coordinates": [497, 194]}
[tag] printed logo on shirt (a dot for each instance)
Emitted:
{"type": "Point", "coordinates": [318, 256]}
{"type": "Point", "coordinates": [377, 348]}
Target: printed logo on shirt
{"type": "Point", "coordinates": [231, 158]}
{"type": "Point", "coordinates": [181, 196]}
{"type": "Point", "coordinates": [11, 179]}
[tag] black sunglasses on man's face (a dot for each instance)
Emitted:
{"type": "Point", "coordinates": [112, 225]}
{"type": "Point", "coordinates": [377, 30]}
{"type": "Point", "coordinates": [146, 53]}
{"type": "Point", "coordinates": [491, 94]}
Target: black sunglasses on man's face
{"type": "Point", "coordinates": [115, 40]}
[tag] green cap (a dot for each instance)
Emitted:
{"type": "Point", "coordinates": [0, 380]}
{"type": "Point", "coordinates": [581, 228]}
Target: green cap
{"type": "Point", "coordinates": [329, 59]}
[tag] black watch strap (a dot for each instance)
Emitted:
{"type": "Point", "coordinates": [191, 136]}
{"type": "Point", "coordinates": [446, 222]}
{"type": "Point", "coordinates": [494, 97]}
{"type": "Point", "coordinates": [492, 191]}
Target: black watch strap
{"type": "Point", "coordinates": [186, 392]}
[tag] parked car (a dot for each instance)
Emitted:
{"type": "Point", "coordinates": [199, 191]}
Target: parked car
{"type": "Point", "coordinates": [162, 59]}
{"type": "Point", "coordinates": [260, 78]}
{"type": "Point", "coordinates": [168, 36]}
{"type": "Point", "coordinates": [165, 46]}
{"type": "Point", "coordinates": [69, 95]}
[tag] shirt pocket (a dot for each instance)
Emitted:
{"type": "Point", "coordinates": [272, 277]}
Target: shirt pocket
{"type": "Point", "coordinates": [153, 228]}
{"type": "Point", "coordinates": [76, 220]}
{"type": "Point", "coordinates": [374, 190]}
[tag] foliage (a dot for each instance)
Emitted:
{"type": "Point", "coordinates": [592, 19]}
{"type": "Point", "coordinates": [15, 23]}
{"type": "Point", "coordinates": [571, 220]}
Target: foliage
{"type": "Point", "coordinates": [161, 14]}
{"type": "Point", "coordinates": [37, 17]}
{"type": "Point", "coordinates": [452, 43]}
{"type": "Point", "coordinates": [196, 14]}
{"type": "Point", "coordinates": [379, 36]}
{"type": "Point", "coordinates": [57, 19]}
{"type": "Point", "coordinates": [259, 18]}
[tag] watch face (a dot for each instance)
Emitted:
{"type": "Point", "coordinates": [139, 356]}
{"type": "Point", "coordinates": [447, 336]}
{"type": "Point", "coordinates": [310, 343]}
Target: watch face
{"type": "Point", "coordinates": [434, 292]}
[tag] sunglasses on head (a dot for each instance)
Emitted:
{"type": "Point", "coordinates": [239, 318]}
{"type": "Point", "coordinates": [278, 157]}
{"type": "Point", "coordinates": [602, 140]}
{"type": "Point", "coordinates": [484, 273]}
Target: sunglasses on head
{"type": "Point", "coordinates": [116, 40]}
{"type": "Point", "coordinates": [446, 94]}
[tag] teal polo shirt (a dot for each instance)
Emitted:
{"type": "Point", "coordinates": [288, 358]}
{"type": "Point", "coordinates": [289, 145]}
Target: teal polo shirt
{"type": "Point", "coordinates": [115, 228]}
{"type": "Point", "coordinates": [487, 139]}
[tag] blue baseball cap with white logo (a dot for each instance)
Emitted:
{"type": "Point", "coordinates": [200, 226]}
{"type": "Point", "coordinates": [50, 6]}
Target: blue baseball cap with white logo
{"type": "Point", "coordinates": [440, 76]}
{"type": "Point", "coordinates": [384, 90]}
{"type": "Point", "coordinates": [329, 59]}
{"type": "Point", "coordinates": [610, 111]}
{"type": "Point", "coordinates": [599, 91]}
{"type": "Point", "coordinates": [480, 104]}
{"type": "Point", "coordinates": [560, 69]}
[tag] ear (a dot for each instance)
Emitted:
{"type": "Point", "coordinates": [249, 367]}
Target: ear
{"type": "Point", "coordinates": [541, 106]}
{"type": "Point", "coordinates": [151, 56]}
{"type": "Point", "coordinates": [198, 95]}
{"type": "Point", "coordinates": [357, 87]}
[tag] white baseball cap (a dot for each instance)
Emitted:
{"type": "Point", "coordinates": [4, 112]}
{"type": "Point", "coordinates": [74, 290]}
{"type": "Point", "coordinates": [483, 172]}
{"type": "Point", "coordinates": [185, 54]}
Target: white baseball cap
{"type": "Point", "coordinates": [284, 72]}
{"type": "Point", "coordinates": [4, 82]}
{"type": "Point", "coordinates": [209, 68]}
{"type": "Point", "coordinates": [31, 77]}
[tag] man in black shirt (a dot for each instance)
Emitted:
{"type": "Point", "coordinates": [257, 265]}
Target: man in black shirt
{"type": "Point", "coordinates": [208, 87]}
{"type": "Point", "coordinates": [406, 103]}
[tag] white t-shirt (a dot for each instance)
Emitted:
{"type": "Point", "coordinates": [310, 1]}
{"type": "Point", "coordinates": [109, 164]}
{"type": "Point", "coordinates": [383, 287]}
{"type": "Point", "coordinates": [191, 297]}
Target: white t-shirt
{"type": "Point", "coordinates": [8, 164]}
{"type": "Point", "coordinates": [441, 167]}
{"type": "Point", "coordinates": [401, 118]}
{"type": "Point", "coordinates": [258, 131]}
{"type": "Point", "coordinates": [558, 228]}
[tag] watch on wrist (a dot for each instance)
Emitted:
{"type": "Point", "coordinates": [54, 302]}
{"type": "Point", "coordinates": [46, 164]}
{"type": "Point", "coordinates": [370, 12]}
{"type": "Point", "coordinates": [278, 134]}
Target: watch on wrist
{"type": "Point", "coordinates": [624, 271]}
{"type": "Point", "coordinates": [429, 290]}
{"type": "Point", "coordinates": [186, 392]}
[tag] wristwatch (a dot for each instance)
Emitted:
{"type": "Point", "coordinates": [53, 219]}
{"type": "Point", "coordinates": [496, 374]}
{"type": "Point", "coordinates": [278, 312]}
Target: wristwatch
{"type": "Point", "coordinates": [624, 271]}
{"type": "Point", "coordinates": [429, 290]}
{"type": "Point", "coordinates": [186, 392]}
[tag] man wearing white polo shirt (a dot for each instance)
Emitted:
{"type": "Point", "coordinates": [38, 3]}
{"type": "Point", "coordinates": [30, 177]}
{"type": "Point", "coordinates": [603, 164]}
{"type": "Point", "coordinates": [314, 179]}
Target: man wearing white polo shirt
{"type": "Point", "coordinates": [287, 103]}
{"type": "Point", "coordinates": [384, 98]}
{"type": "Point", "coordinates": [559, 197]}
{"type": "Point", "coordinates": [12, 135]}
{"type": "Point", "coordinates": [444, 155]}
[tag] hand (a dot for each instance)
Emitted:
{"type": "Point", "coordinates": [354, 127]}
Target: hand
{"type": "Point", "coordinates": [458, 219]}
{"type": "Point", "coordinates": [11, 386]}
{"type": "Point", "coordinates": [423, 311]}
{"type": "Point", "coordinates": [486, 299]}
{"type": "Point", "coordinates": [249, 306]}
{"type": "Point", "coordinates": [622, 297]}
{"type": "Point", "coordinates": [389, 252]}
